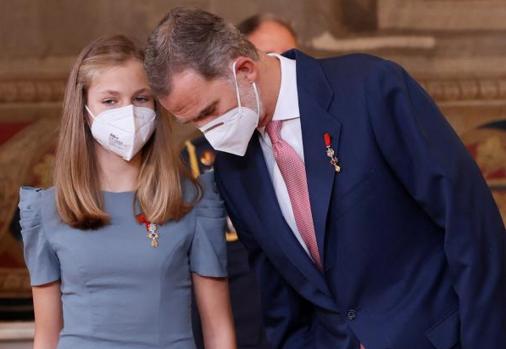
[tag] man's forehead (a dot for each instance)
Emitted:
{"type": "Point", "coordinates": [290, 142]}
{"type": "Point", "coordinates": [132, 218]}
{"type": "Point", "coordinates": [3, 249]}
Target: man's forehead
{"type": "Point", "coordinates": [186, 82]}
{"type": "Point", "coordinates": [190, 89]}
{"type": "Point", "coordinates": [187, 87]}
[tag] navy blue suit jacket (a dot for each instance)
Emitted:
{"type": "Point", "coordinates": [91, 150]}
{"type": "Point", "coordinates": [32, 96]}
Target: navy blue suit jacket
{"type": "Point", "coordinates": [412, 242]}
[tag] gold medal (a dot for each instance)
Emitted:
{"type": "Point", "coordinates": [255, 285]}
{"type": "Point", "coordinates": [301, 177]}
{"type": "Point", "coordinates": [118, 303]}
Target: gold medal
{"type": "Point", "coordinates": [331, 154]}
{"type": "Point", "coordinates": [153, 234]}
{"type": "Point", "coordinates": [151, 229]}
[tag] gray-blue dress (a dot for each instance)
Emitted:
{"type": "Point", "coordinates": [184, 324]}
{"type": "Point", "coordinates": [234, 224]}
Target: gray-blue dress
{"type": "Point", "coordinates": [117, 290]}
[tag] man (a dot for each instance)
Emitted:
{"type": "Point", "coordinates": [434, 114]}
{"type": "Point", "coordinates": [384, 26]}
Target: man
{"type": "Point", "coordinates": [269, 33]}
{"type": "Point", "coordinates": [366, 219]}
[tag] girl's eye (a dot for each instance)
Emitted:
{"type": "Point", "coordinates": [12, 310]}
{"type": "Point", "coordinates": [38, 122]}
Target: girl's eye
{"type": "Point", "coordinates": [142, 99]}
{"type": "Point", "coordinates": [108, 101]}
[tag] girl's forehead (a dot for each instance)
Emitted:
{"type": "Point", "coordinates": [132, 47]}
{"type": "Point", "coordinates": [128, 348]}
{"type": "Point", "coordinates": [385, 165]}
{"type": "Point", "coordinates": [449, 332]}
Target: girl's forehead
{"type": "Point", "coordinates": [121, 78]}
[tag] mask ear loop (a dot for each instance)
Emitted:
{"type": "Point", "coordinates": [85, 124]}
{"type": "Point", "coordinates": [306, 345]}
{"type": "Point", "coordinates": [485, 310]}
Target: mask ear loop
{"type": "Point", "coordinates": [257, 97]}
{"type": "Point", "coordinates": [236, 85]}
{"type": "Point", "coordinates": [89, 111]}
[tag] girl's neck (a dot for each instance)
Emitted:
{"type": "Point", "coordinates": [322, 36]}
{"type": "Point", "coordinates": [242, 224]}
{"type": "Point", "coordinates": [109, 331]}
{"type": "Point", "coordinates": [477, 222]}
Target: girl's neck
{"type": "Point", "coordinates": [116, 174]}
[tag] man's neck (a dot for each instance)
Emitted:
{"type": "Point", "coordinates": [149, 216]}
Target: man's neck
{"type": "Point", "coordinates": [269, 82]}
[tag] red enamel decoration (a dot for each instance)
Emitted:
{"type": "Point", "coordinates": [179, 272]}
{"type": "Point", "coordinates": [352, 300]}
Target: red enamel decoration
{"type": "Point", "coordinates": [151, 229]}
{"type": "Point", "coordinates": [330, 152]}
{"type": "Point", "coordinates": [327, 139]}
{"type": "Point", "coordinates": [141, 219]}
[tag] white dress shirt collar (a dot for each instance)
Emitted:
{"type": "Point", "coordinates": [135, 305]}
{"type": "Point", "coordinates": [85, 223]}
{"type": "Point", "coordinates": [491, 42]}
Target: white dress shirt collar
{"type": "Point", "coordinates": [287, 104]}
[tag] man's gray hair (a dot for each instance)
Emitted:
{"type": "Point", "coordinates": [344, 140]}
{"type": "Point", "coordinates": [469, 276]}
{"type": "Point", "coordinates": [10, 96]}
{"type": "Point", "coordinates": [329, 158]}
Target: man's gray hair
{"type": "Point", "coordinates": [190, 38]}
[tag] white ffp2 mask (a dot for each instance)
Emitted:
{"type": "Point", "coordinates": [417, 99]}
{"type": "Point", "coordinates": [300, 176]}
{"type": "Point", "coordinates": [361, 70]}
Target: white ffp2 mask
{"type": "Point", "coordinates": [232, 131]}
{"type": "Point", "coordinates": [125, 130]}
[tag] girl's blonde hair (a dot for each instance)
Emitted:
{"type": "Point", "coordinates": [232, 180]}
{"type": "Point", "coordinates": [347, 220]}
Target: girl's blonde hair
{"type": "Point", "coordinates": [79, 200]}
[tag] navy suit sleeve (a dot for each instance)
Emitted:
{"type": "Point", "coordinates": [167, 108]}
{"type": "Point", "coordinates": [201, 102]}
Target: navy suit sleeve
{"type": "Point", "coordinates": [435, 168]}
{"type": "Point", "coordinates": [286, 315]}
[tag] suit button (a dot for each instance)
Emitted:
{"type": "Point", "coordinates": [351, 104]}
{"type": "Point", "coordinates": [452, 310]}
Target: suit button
{"type": "Point", "coordinates": [351, 314]}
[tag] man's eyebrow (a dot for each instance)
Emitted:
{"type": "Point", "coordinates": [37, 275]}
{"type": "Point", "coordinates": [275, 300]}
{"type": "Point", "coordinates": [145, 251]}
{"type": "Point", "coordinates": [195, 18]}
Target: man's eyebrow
{"type": "Point", "coordinates": [204, 112]}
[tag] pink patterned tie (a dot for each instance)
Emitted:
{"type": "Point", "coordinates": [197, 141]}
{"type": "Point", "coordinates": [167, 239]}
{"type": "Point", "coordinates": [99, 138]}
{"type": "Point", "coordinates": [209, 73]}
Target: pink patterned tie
{"type": "Point", "coordinates": [294, 174]}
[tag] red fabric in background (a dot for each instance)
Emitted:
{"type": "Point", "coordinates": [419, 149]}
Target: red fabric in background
{"type": "Point", "coordinates": [9, 129]}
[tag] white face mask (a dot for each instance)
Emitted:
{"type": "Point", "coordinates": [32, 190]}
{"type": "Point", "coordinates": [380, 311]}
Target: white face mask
{"type": "Point", "coordinates": [125, 130]}
{"type": "Point", "coordinates": [232, 131]}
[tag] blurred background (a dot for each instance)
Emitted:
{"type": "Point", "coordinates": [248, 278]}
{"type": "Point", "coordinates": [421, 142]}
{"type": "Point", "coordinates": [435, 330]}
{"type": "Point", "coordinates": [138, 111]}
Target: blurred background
{"type": "Point", "coordinates": [455, 48]}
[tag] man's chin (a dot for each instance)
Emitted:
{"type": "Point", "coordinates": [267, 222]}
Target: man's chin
{"type": "Point", "coordinates": [264, 121]}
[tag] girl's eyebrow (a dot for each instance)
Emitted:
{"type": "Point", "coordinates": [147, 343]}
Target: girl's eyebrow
{"type": "Point", "coordinates": [109, 92]}
{"type": "Point", "coordinates": [116, 93]}
{"type": "Point", "coordinates": [144, 89]}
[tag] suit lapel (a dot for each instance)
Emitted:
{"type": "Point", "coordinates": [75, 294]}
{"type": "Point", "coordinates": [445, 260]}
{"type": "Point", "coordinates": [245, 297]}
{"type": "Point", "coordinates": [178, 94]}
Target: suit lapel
{"type": "Point", "coordinates": [320, 173]}
{"type": "Point", "coordinates": [315, 96]}
{"type": "Point", "coordinates": [257, 184]}
{"type": "Point", "coordinates": [256, 191]}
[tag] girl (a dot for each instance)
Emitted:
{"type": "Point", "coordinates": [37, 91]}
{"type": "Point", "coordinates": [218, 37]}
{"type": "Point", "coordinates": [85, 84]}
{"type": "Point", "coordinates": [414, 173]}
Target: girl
{"type": "Point", "coordinates": [114, 248]}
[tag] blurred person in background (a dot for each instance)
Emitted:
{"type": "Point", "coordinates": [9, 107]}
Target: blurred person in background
{"type": "Point", "coordinates": [269, 33]}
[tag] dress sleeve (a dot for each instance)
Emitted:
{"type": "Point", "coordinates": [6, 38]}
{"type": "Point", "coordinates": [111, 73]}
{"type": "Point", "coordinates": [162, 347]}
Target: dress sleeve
{"type": "Point", "coordinates": [208, 255]}
{"type": "Point", "coordinates": [40, 258]}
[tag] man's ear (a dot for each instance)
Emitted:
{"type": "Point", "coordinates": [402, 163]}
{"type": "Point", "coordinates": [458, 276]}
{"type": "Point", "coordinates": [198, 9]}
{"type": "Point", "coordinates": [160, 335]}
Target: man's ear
{"type": "Point", "coordinates": [246, 67]}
